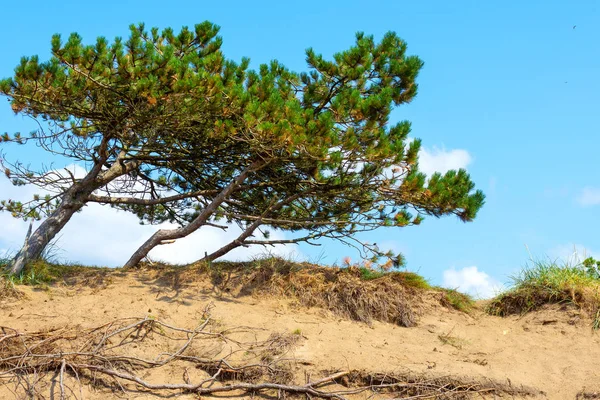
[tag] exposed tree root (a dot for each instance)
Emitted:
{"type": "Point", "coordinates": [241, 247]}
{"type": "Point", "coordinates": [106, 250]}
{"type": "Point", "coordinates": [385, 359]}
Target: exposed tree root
{"type": "Point", "coordinates": [56, 363]}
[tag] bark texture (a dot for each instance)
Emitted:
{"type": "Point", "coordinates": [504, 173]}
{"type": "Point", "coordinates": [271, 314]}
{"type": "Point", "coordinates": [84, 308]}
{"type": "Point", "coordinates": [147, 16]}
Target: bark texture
{"type": "Point", "coordinates": [72, 201]}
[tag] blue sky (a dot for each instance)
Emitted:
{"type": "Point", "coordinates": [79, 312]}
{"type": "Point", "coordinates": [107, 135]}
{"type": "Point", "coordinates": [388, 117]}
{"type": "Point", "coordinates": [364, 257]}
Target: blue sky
{"type": "Point", "coordinates": [510, 90]}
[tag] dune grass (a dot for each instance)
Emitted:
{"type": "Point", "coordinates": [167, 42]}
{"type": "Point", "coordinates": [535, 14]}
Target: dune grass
{"type": "Point", "coordinates": [43, 272]}
{"type": "Point", "coordinates": [452, 298]}
{"type": "Point", "coordinates": [8, 289]}
{"type": "Point", "coordinates": [550, 282]}
{"type": "Point", "coordinates": [360, 292]}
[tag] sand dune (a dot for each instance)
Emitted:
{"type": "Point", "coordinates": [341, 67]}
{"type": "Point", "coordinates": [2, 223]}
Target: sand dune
{"type": "Point", "coordinates": [552, 351]}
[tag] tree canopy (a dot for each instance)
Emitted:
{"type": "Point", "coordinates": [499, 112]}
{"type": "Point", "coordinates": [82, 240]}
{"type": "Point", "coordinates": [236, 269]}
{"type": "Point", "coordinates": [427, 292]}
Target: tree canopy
{"type": "Point", "coordinates": [167, 128]}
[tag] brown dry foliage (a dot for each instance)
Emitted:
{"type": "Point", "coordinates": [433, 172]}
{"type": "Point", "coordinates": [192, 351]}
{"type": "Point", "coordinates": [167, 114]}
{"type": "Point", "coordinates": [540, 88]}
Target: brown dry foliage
{"type": "Point", "coordinates": [8, 291]}
{"type": "Point", "coordinates": [341, 291]}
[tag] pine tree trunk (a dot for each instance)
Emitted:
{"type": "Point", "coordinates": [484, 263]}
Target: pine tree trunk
{"type": "Point", "coordinates": [36, 243]}
{"type": "Point", "coordinates": [72, 201]}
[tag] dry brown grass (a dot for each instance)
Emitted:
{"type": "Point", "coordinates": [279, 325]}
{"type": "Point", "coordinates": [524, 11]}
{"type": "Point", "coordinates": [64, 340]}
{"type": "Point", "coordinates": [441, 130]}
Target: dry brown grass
{"type": "Point", "coordinates": [357, 293]}
{"type": "Point", "coordinates": [347, 295]}
{"type": "Point", "coordinates": [549, 283]}
{"type": "Point", "coordinates": [345, 292]}
{"type": "Point", "coordinates": [360, 294]}
{"type": "Point", "coordinates": [8, 291]}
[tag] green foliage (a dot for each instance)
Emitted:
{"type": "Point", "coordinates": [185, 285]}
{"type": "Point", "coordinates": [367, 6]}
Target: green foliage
{"type": "Point", "coordinates": [457, 300]}
{"type": "Point", "coordinates": [35, 273]}
{"type": "Point", "coordinates": [43, 272]}
{"type": "Point", "coordinates": [546, 274]}
{"type": "Point", "coordinates": [592, 267]}
{"type": "Point", "coordinates": [410, 279]}
{"type": "Point", "coordinates": [547, 282]}
{"type": "Point", "coordinates": [368, 274]}
{"type": "Point", "coordinates": [4, 260]}
{"type": "Point", "coordinates": [309, 152]}
{"type": "Point", "coordinates": [18, 209]}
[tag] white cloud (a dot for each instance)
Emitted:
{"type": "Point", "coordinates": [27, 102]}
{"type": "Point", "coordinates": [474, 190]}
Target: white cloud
{"type": "Point", "coordinates": [472, 281]}
{"type": "Point", "coordinates": [101, 235]}
{"type": "Point", "coordinates": [589, 196]}
{"type": "Point", "coordinates": [442, 160]}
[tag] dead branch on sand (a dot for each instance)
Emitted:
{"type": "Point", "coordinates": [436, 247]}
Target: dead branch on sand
{"type": "Point", "coordinates": [119, 355]}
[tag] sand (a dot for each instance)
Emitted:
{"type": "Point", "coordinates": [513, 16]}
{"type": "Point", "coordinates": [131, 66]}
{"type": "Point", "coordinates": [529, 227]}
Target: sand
{"type": "Point", "coordinates": [553, 350]}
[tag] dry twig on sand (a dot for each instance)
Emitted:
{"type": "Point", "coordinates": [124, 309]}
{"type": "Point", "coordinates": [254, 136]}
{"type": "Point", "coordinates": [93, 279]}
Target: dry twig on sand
{"type": "Point", "coordinates": [117, 354]}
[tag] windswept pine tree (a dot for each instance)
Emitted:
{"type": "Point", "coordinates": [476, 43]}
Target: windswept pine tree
{"type": "Point", "coordinates": [169, 129]}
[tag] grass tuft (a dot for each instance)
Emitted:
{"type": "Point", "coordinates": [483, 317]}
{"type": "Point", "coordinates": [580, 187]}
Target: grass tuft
{"type": "Point", "coordinates": [459, 301]}
{"type": "Point", "coordinates": [8, 291]}
{"type": "Point", "coordinates": [368, 274]}
{"type": "Point", "coordinates": [547, 282]}
{"type": "Point", "coordinates": [42, 272]}
{"type": "Point", "coordinates": [358, 292]}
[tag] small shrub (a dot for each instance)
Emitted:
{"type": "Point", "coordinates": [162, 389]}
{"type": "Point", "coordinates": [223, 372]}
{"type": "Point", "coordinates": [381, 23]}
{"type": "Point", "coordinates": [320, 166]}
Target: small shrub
{"type": "Point", "coordinates": [548, 283]}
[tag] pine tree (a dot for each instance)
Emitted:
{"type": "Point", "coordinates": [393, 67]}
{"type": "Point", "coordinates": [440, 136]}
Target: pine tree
{"type": "Point", "coordinates": [169, 129]}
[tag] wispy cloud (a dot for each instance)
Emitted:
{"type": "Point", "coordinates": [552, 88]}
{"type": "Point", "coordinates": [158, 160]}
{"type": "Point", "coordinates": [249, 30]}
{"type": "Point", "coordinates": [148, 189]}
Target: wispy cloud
{"type": "Point", "coordinates": [589, 196]}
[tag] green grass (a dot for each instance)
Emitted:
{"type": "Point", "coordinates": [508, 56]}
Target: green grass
{"type": "Point", "coordinates": [548, 282]}
{"type": "Point", "coordinates": [36, 273]}
{"type": "Point", "coordinates": [368, 274]}
{"type": "Point", "coordinates": [42, 272]}
{"type": "Point", "coordinates": [7, 285]}
{"type": "Point", "coordinates": [457, 300]}
{"type": "Point", "coordinates": [450, 297]}
{"type": "Point", "coordinates": [410, 279]}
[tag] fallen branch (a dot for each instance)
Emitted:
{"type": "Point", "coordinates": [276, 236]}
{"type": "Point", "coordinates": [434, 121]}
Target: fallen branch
{"type": "Point", "coordinates": [106, 354]}
{"type": "Point", "coordinates": [198, 389]}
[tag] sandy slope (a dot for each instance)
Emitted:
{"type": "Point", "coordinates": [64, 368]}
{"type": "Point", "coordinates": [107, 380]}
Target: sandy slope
{"type": "Point", "coordinates": [552, 350]}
